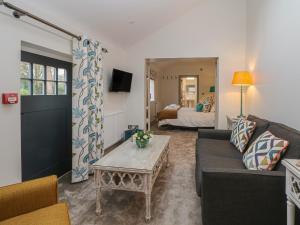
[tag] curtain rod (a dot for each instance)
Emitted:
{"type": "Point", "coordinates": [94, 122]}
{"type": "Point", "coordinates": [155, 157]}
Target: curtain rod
{"type": "Point", "coordinates": [18, 12]}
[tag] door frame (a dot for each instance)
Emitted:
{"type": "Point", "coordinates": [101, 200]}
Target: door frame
{"type": "Point", "coordinates": [147, 103]}
{"type": "Point", "coordinates": [147, 84]}
{"type": "Point", "coordinates": [179, 86]}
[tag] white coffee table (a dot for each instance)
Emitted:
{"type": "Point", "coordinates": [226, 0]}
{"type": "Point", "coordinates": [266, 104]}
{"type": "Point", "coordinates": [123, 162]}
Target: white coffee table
{"type": "Point", "coordinates": [292, 187]}
{"type": "Point", "coordinates": [132, 169]}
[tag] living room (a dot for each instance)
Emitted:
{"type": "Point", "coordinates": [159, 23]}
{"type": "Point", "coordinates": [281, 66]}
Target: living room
{"type": "Point", "coordinates": [256, 39]}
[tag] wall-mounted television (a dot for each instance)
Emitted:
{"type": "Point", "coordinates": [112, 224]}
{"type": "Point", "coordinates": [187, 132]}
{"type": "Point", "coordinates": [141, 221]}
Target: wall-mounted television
{"type": "Point", "coordinates": [121, 81]}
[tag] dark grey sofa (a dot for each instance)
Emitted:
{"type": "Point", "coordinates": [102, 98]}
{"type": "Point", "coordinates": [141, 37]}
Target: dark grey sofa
{"type": "Point", "coordinates": [231, 194]}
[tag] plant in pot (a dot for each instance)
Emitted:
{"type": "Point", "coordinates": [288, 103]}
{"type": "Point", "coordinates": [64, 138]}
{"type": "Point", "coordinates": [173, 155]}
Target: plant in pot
{"type": "Point", "coordinates": [142, 138]}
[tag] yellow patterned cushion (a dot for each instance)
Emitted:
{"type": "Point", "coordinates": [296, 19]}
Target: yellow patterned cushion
{"type": "Point", "coordinates": [52, 215]}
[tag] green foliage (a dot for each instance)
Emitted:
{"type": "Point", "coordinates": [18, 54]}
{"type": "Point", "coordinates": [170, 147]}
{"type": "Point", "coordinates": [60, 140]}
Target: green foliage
{"type": "Point", "coordinates": [142, 135]}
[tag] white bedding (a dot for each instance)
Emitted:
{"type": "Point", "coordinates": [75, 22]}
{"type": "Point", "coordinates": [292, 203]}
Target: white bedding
{"type": "Point", "coordinates": [188, 117]}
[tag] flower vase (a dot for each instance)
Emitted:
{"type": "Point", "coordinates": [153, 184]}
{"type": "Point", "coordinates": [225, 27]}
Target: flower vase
{"type": "Point", "coordinates": [142, 144]}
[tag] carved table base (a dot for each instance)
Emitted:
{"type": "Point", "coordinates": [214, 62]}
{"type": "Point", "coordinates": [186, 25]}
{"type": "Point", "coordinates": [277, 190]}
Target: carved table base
{"type": "Point", "coordinates": [129, 180]}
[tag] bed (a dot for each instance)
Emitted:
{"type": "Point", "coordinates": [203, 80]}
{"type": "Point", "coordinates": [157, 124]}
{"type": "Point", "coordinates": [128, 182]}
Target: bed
{"type": "Point", "coordinates": [187, 117]}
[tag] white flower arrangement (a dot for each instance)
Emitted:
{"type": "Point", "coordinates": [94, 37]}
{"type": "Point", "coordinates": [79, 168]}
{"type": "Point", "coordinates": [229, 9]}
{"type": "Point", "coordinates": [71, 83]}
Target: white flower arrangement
{"type": "Point", "coordinates": [143, 136]}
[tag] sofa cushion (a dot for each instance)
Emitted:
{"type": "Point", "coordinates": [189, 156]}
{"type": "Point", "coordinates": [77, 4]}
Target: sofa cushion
{"type": "Point", "coordinates": [217, 148]}
{"type": "Point", "coordinates": [241, 133]}
{"type": "Point", "coordinates": [218, 154]}
{"type": "Point", "coordinates": [292, 136]}
{"type": "Point", "coordinates": [53, 215]}
{"type": "Point", "coordinates": [265, 152]}
{"type": "Point", "coordinates": [212, 153]}
{"type": "Point", "coordinates": [261, 126]}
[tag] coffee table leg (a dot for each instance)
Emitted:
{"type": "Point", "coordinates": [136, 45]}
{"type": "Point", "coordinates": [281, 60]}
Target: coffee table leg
{"type": "Point", "coordinates": [168, 164]}
{"type": "Point", "coordinates": [148, 207]}
{"type": "Point", "coordinates": [98, 201]}
{"type": "Point", "coordinates": [167, 160]}
{"type": "Point", "coordinates": [148, 190]}
{"type": "Point", "coordinates": [98, 191]}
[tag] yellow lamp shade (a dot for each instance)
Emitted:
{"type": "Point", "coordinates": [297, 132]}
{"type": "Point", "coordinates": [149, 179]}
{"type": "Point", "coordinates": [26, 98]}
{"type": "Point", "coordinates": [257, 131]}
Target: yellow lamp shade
{"type": "Point", "coordinates": [243, 78]}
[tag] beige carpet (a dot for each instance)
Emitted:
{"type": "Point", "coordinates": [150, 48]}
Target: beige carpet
{"type": "Point", "coordinates": [174, 198]}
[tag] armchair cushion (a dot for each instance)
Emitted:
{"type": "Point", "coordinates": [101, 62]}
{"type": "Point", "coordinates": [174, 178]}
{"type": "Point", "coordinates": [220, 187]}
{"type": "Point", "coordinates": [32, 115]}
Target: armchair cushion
{"type": "Point", "coordinates": [52, 215]}
{"type": "Point", "coordinates": [28, 196]}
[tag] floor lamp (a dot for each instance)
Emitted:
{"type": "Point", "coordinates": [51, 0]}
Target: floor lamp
{"type": "Point", "coordinates": [242, 79]}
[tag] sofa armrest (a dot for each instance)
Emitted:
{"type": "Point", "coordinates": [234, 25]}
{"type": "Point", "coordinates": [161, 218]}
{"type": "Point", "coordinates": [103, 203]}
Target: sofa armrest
{"type": "Point", "coordinates": [243, 197]}
{"type": "Point", "coordinates": [28, 196]}
{"type": "Point", "coordinates": [214, 134]}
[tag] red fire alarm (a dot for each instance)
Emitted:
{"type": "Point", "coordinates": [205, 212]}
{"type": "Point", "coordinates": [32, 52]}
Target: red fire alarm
{"type": "Point", "coordinates": [9, 98]}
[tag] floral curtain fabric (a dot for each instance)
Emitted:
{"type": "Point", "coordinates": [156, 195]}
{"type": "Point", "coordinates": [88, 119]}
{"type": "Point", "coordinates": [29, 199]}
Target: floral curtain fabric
{"type": "Point", "coordinates": [87, 107]}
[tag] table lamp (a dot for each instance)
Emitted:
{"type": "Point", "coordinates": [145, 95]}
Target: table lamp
{"type": "Point", "coordinates": [242, 78]}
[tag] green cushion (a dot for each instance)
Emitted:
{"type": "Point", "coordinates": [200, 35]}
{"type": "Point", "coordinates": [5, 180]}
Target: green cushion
{"type": "Point", "coordinates": [199, 107]}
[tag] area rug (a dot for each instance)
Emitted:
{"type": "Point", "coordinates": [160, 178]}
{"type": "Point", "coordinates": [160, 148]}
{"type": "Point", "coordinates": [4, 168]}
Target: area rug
{"type": "Point", "coordinates": [174, 198]}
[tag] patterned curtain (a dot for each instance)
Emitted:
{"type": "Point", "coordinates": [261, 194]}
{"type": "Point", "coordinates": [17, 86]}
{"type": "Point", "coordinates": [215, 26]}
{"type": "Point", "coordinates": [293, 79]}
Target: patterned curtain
{"type": "Point", "coordinates": [87, 107]}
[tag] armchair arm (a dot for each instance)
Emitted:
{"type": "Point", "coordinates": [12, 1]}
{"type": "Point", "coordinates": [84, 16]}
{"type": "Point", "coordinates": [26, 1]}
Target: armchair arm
{"type": "Point", "coordinates": [243, 197]}
{"type": "Point", "coordinates": [214, 134]}
{"type": "Point", "coordinates": [27, 196]}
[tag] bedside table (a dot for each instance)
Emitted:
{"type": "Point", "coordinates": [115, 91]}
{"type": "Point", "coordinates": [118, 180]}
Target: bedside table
{"type": "Point", "coordinates": [292, 188]}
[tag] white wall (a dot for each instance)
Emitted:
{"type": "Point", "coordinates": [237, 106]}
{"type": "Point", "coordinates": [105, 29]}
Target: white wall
{"type": "Point", "coordinates": [169, 88]}
{"type": "Point", "coordinates": [273, 56]}
{"type": "Point", "coordinates": [213, 29]}
{"type": "Point", "coordinates": [12, 33]}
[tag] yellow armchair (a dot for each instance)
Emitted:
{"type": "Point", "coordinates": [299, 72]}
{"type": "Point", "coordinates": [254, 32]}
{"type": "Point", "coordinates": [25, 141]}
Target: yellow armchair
{"type": "Point", "coordinates": [33, 203]}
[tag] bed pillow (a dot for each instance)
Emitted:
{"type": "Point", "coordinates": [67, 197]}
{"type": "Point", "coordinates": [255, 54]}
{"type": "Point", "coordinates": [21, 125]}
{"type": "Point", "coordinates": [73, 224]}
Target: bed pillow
{"type": "Point", "coordinates": [210, 97]}
{"type": "Point", "coordinates": [241, 133]}
{"type": "Point", "coordinates": [199, 107]}
{"type": "Point", "coordinates": [213, 108]}
{"type": "Point", "coordinates": [172, 106]}
{"type": "Point", "coordinates": [206, 107]}
{"type": "Point", "coordinates": [207, 100]}
{"type": "Point", "coordinates": [265, 152]}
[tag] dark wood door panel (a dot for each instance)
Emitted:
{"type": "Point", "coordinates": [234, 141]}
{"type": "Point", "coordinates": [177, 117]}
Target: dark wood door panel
{"type": "Point", "coordinates": [46, 127]}
{"type": "Point", "coordinates": [45, 146]}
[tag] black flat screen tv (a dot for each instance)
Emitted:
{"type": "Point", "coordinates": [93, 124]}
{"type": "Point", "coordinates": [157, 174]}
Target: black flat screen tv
{"type": "Point", "coordinates": [121, 81]}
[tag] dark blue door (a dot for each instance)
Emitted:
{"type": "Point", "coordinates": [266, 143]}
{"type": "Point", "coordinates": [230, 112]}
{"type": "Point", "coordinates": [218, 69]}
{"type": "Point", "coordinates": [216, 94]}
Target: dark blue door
{"type": "Point", "coordinates": [46, 110]}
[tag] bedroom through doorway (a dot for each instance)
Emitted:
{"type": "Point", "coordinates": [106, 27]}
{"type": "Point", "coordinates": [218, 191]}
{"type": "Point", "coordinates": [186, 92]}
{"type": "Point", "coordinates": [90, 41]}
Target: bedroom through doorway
{"type": "Point", "coordinates": [181, 92]}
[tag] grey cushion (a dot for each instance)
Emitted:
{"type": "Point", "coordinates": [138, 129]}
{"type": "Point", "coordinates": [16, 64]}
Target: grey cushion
{"type": "Point", "coordinates": [214, 134]}
{"type": "Point", "coordinates": [243, 197]}
{"type": "Point", "coordinates": [289, 134]}
{"type": "Point", "coordinates": [212, 153]}
{"type": "Point", "coordinates": [261, 126]}
{"type": "Point", "coordinates": [219, 148]}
